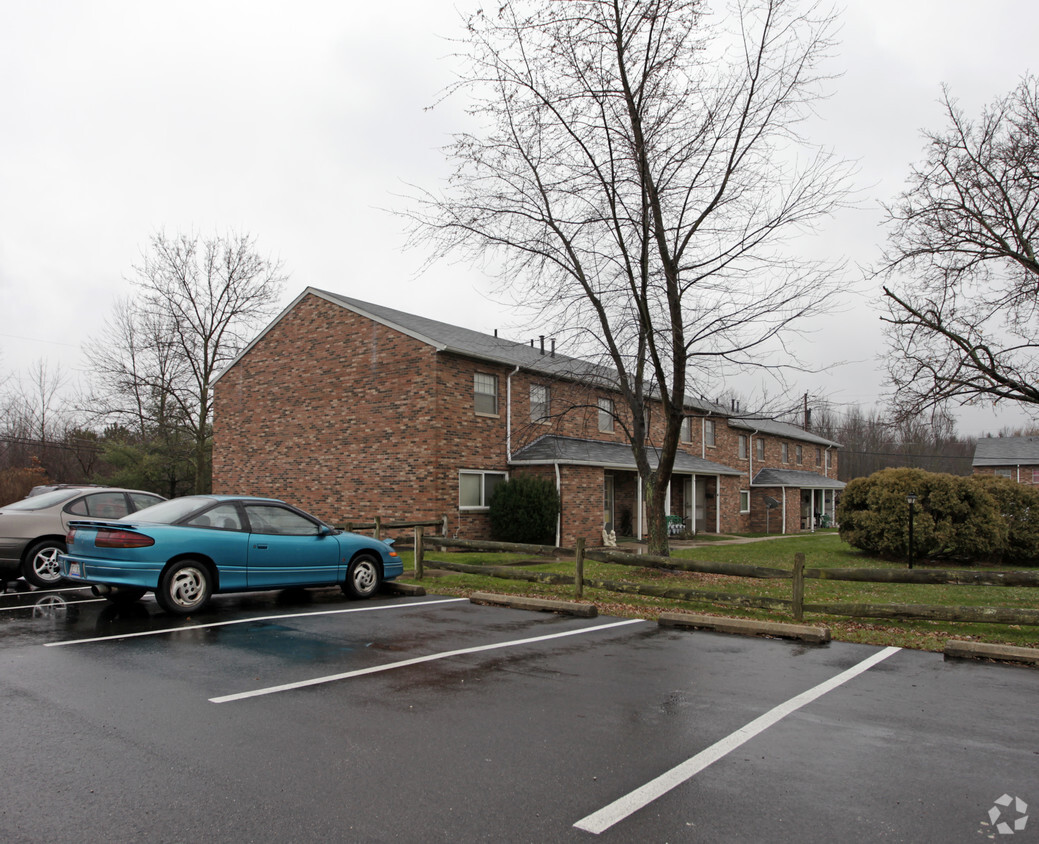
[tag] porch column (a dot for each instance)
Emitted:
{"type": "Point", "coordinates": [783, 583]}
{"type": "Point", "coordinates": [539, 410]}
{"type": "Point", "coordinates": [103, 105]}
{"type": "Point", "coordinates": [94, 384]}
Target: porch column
{"type": "Point", "coordinates": [717, 504]}
{"type": "Point", "coordinates": [638, 507]}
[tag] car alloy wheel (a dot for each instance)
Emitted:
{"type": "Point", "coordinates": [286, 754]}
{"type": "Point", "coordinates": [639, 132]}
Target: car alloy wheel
{"type": "Point", "coordinates": [184, 587]}
{"type": "Point", "coordinates": [42, 566]}
{"type": "Point", "coordinates": [363, 577]}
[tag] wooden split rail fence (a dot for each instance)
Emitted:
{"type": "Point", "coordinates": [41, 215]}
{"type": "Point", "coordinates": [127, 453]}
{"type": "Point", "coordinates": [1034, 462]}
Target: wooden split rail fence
{"type": "Point", "coordinates": [796, 605]}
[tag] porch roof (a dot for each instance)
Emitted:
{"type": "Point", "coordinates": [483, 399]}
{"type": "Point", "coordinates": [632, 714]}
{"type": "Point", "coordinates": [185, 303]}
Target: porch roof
{"type": "Point", "coordinates": [579, 452]}
{"type": "Point", "coordinates": [796, 478]}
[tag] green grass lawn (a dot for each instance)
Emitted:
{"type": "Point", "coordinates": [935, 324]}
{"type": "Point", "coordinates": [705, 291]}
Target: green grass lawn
{"type": "Point", "coordinates": [821, 550]}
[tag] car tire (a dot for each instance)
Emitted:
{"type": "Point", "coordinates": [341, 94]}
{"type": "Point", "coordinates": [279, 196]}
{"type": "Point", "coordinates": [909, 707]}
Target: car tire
{"type": "Point", "coordinates": [364, 576]}
{"type": "Point", "coordinates": [42, 568]}
{"type": "Point", "coordinates": [185, 587]}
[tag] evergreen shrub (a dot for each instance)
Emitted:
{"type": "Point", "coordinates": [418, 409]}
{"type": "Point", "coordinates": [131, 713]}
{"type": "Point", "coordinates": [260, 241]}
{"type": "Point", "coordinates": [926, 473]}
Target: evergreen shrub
{"type": "Point", "coordinates": [524, 509]}
{"type": "Point", "coordinates": [954, 517]}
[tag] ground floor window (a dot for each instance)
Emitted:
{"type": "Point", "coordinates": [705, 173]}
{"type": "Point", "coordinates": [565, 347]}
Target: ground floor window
{"type": "Point", "coordinates": [475, 489]}
{"type": "Point", "coordinates": [744, 500]}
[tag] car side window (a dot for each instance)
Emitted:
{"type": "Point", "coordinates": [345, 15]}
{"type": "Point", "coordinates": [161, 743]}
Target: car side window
{"type": "Point", "coordinates": [223, 517]}
{"type": "Point", "coordinates": [141, 500]}
{"type": "Point", "coordinates": [101, 505]}
{"type": "Point", "coordinates": [279, 521]}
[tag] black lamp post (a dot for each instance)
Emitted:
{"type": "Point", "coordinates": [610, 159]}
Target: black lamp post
{"type": "Point", "coordinates": [911, 498]}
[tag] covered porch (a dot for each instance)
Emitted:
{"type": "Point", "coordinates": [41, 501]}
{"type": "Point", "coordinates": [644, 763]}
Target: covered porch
{"type": "Point", "coordinates": [590, 470]}
{"type": "Point", "coordinates": [805, 500]}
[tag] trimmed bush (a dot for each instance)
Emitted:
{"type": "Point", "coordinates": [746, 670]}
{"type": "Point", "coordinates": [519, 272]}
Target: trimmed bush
{"type": "Point", "coordinates": [954, 517]}
{"type": "Point", "coordinates": [1019, 507]}
{"type": "Point", "coordinates": [524, 509]}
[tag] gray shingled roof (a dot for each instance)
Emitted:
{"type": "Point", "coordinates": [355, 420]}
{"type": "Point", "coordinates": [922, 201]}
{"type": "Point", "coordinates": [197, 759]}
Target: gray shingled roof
{"type": "Point", "coordinates": [463, 341]}
{"type": "Point", "coordinates": [1006, 451]}
{"type": "Point", "coordinates": [573, 451]}
{"type": "Point", "coordinates": [795, 478]}
{"type": "Point", "coordinates": [779, 429]}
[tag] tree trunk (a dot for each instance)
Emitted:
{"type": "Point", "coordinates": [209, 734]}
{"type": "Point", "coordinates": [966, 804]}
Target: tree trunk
{"type": "Point", "coordinates": [656, 498]}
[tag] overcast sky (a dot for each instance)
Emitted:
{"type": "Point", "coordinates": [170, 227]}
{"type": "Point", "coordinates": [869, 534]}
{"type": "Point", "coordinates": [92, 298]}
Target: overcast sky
{"type": "Point", "coordinates": [299, 122]}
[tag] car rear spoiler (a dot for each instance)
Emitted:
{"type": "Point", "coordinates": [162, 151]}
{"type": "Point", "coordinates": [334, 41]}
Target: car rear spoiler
{"type": "Point", "coordinates": [101, 523]}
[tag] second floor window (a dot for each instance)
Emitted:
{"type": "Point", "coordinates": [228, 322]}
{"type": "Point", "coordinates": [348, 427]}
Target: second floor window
{"type": "Point", "coordinates": [485, 393]}
{"type": "Point", "coordinates": [708, 432]}
{"type": "Point", "coordinates": [818, 457]}
{"type": "Point", "coordinates": [743, 451]}
{"type": "Point", "coordinates": [759, 447]}
{"type": "Point", "coordinates": [539, 399]}
{"type": "Point", "coordinates": [605, 414]}
{"type": "Point", "coordinates": [686, 434]}
{"type": "Point", "coordinates": [800, 455]}
{"type": "Point", "coordinates": [784, 450]}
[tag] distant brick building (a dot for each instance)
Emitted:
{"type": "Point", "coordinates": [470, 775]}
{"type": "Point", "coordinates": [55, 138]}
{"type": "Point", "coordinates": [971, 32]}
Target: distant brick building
{"type": "Point", "coordinates": [1016, 458]}
{"type": "Point", "coordinates": [354, 410]}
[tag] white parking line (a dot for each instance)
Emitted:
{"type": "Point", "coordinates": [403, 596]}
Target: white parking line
{"type": "Point", "coordinates": [600, 821]}
{"type": "Point", "coordinates": [52, 606]}
{"type": "Point", "coordinates": [16, 593]}
{"type": "Point", "coordinates": [250, 621]}
{"type": "Point", "coordinates": [390, 666]}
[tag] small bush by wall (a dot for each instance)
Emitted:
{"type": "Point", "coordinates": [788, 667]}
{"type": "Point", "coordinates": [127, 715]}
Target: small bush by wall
{"type": "Point", "coordinates": [524, 509]}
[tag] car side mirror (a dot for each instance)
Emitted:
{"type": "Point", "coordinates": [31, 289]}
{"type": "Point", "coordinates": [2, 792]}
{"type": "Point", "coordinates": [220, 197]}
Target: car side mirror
{"type": "Point", "coordinates": [325, 530]}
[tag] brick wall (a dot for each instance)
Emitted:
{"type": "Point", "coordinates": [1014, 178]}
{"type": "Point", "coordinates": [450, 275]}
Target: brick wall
{"type": "Point", "coordinates": [1028, 475]}
{"type": "Point", "coordinates": [335, 413]}
{"type": "Point", "coordinates": [351, 419]}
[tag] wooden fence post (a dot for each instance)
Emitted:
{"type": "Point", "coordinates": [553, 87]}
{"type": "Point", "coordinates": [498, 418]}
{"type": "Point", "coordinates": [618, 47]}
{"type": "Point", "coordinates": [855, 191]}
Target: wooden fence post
{"type": "Point", "coordinates": [799, 587]}
{"type": "Point", "coordinates": [418, 552]}
{"type": "Point", "coordinates": [378, 527]}
{"type": "Point", "coordinates": [579, 569]}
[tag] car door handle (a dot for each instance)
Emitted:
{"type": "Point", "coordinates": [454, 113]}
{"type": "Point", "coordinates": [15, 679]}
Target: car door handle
{"type": "Point", "coordinates": [261, 547]}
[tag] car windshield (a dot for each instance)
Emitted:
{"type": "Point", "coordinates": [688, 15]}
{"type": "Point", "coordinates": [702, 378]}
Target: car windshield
{"type": "Point", "coordinates": [170, 511]}
{"type": "Point", "coordinates": [41, 502]}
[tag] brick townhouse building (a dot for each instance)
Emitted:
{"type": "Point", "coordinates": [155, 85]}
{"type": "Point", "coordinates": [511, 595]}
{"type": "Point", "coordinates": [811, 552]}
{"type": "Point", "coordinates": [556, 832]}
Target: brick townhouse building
{"type": "Point", "coordinates": [1016, 458]}
{"type": "Point", "coordinates": [353, 410]}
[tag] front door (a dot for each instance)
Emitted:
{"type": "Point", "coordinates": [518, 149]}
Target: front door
{"type": "Point", "coordinates": [695, 494]}
{"type": "Point", "coordinates": [608, 502]}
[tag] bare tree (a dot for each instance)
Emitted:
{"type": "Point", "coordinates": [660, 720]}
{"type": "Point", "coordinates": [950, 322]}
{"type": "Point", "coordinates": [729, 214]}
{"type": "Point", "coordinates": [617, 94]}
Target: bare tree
{"type": "Point", "coordinates": [964, 316]}
{"type": "Point", "coordinates": [636, 175]}
{"type": "Point", "coordinates": [200, 301]}
{"type": "Point", "coordinates": [36, 408]}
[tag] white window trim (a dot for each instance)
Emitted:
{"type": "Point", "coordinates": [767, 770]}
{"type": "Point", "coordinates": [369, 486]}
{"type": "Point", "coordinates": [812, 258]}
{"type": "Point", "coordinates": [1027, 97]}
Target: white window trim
{"type": "Point", "coordinates": [496, 414]}
{"type": "Point", "coordinates": [542, 419]}
{"type": "Point", "coordinates": [744, 492]}
{"type": "Point", "coordinates": [470, 508]}
{"type": "Point", "coordinates": [685, 433]}
{"type": "Point", "coordinates": [610, 410]}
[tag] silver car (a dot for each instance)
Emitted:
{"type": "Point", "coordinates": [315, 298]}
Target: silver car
{"type": "Point", "coordinates": [32, 531]}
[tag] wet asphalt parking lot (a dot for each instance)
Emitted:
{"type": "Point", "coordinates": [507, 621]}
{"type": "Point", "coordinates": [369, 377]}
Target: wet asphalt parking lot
{"type": "Point", "coordinates": [302, 716]}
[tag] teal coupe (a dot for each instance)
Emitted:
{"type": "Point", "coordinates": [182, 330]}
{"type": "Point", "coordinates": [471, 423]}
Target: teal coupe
{"type": "Point", "coordinates": [187, 549]}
